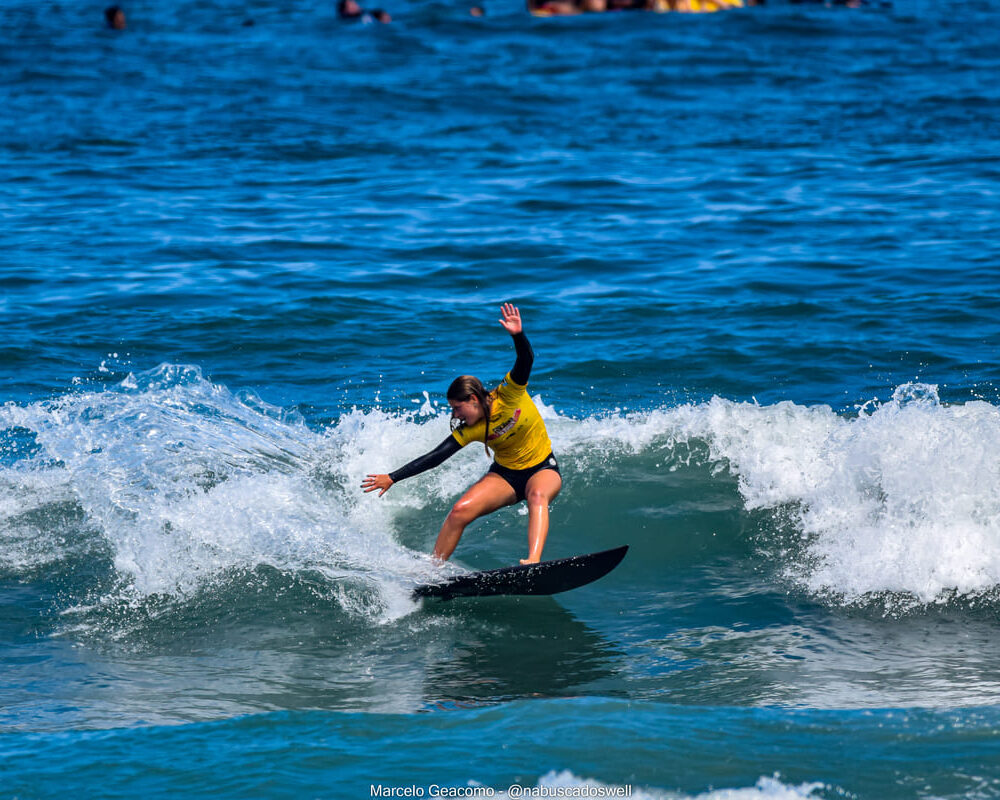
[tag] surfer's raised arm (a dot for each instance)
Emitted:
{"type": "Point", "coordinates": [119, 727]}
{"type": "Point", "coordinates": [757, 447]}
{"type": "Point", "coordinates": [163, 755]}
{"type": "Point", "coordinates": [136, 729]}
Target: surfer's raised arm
{"type": "Point", "coordinates": [511, 322]}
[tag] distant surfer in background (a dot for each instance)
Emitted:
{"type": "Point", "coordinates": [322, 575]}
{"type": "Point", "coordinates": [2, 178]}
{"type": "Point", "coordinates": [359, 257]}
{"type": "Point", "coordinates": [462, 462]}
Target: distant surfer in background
{"type": "Point", "coordinates": [507, 422]}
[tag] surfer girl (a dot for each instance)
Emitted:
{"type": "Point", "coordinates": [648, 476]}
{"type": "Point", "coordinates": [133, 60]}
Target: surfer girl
{"type": "Point", "coordinates": [507, 422]}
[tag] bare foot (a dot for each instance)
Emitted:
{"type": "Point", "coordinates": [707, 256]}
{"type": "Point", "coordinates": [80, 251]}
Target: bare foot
{"type": "Point", "coordinates": [530, 560]}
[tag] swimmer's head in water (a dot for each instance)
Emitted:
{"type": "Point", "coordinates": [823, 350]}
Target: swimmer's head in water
{"type": "Point", "coordinates": [115, 17]}
{"type": "Point", "coordinates": [349, 9]}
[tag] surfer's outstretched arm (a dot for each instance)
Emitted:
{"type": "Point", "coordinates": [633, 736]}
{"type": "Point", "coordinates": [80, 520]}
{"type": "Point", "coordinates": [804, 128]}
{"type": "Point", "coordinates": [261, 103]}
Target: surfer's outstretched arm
{"type": "Point", "coordinates": [434, 458]}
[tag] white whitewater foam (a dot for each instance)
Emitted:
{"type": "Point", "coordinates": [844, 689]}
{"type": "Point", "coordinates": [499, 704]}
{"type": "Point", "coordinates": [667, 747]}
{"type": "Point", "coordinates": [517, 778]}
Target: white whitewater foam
{"type": "Point", "coordinates": [26, 494]}
{"type": "Point", "coordinates": [900, 499]}
{"type": "Point", "coordinates": [187, 481]}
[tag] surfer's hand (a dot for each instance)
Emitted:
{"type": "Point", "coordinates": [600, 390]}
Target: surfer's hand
{"type": "Point", "coordinates": [511, 320]}
{"type": "Point", "coordinates": [377, 482]}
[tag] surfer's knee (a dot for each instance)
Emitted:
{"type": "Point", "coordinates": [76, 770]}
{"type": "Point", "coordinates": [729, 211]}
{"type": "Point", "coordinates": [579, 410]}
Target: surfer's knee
{"type": "Point", "coordinates": [536, 497]}
{"type": "Point", "coordinates": [463, 512]}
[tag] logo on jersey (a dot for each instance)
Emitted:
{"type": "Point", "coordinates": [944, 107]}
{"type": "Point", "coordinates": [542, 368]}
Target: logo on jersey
{"type": "Point", "coordinates": [496, 433]}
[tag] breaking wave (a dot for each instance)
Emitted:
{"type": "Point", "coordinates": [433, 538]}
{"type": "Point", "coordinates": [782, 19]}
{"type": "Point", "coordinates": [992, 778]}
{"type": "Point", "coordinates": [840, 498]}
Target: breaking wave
{"type": "Point", "coordinates": [178, 483]}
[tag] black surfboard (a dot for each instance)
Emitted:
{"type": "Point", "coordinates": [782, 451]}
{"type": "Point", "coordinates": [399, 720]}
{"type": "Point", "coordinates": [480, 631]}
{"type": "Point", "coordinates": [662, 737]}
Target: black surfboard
{"type": "Point", "coordinates": [545, 577]}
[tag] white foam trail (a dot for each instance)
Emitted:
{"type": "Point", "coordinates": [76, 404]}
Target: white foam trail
{"type": "Point", "coordinates": [187, 481]}
{"type": "Point", "coordinates": [766, 788]}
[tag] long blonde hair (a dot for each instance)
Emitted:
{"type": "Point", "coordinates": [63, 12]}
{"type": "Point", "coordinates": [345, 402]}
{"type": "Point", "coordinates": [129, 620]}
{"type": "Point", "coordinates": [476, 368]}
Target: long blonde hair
{"type": "Point", "coordinates": [466, 386]}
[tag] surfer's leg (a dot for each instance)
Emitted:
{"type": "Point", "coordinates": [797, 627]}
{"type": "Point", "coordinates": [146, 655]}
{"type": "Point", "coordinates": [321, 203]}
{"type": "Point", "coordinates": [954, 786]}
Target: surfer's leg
{"type": "Point", "coordinates": [541, 490]}
{"type": "Point", "coordinates": [485, 496]}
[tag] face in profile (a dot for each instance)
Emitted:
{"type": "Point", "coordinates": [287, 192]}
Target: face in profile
{"type": "Point", "coordinates": [467, 411]}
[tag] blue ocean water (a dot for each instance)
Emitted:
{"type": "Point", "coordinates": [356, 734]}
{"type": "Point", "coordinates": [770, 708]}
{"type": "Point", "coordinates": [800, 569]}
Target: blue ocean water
{"type": "Point", "coordinates": [756, 255]}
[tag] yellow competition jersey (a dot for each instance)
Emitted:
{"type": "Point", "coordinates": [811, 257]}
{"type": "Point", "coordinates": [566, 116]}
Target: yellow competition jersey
{"type": "Point", "coordinates": [517, 432]}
